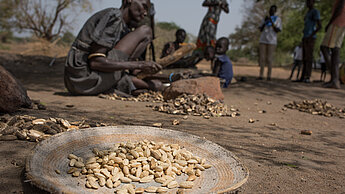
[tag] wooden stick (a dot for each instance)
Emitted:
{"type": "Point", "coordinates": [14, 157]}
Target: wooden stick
{"type": "Point", "coordinates": [170, 59]}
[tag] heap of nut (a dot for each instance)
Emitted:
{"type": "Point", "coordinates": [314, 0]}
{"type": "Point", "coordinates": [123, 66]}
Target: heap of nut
{"type": "Point", "coordinates": [30, 128]}
{"type": "Point", "coordinates": [317, 107]}
{"type": "Point", "coordinates": [150, 96]}
{"type": "Point", "coordinates": [197, 105]}
{"type": "Point", "coordinates": [141, 162]}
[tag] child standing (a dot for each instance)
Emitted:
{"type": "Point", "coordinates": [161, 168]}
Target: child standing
{"type": "Point", "coordinates": [298, 60]}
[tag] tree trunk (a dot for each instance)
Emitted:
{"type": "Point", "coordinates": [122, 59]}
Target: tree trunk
{"type": "Point", "coordinates": [12, 94]}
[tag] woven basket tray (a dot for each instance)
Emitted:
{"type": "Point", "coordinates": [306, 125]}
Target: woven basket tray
{"type": "Point", "coordinates": [226, 174]}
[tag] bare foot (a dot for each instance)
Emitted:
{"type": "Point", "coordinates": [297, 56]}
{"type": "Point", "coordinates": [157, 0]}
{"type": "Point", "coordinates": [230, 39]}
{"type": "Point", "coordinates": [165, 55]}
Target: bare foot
{"type": "Point", "coordinates": [334, 85]}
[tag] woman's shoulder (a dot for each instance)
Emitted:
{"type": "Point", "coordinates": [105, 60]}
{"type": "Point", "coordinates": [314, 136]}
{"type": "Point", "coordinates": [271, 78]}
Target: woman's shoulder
{"type": "Point", "coordinates": [110, 11]}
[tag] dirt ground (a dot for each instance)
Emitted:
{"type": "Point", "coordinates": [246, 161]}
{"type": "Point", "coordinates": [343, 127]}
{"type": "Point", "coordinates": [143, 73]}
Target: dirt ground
{"type": "Point", "coordinates": [279, 158]}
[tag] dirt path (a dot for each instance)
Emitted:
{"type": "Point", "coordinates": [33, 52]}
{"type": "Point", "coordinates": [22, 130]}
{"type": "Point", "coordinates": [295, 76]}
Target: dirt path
{"type": "Point", "coordinates": [279, 158]}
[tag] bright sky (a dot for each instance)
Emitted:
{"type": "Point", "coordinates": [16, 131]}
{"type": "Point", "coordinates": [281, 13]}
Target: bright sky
{"type": "Point", "coordinates": [186, 13]}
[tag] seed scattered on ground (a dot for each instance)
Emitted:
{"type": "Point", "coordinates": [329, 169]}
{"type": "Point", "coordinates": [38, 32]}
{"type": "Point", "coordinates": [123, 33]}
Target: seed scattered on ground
{"type": "Point", "coordinates": [196, 105]}
{"type": "Point", "coordinates": [251, 120]}
{"type": "Point", "coordinates": [175, 122]}
{"type": "Point", "coordinates": [157, 124]}
{"type": "Point", "coordinates": [317, 107]}
{"type": "Point", "coordinates": [150, 96]}
{"type": "Point", "coordinates": [25, 127]}
{"type": "Point", "coordinates": [306, 132]}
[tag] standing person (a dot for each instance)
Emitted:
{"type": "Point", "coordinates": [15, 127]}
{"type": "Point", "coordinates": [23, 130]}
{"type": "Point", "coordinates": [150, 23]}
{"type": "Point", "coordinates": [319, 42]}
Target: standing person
{"type": "Point", "coordinates": [268, 41]}
{"type": "Point", "coordinates": [208, 28]}
{"type": "Point", "coordinates": [312, 24]}
{"type": "Point", "coordinates": [335, 31]}
{"type": "Point", "coordinates": [298, 60]}
{"type": "Point", "coordinates": [105, 49]}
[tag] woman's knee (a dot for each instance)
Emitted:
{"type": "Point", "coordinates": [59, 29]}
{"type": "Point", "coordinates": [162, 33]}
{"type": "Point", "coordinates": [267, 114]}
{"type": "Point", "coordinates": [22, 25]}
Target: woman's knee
{"type": "Point", "coordinates": [145, 31]}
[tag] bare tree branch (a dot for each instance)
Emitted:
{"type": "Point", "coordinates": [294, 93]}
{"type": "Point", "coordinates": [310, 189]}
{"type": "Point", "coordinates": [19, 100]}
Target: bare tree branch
{"type": "Point", "coordinates": [45, 19]}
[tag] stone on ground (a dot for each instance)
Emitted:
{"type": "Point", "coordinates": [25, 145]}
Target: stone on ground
{"type": "Point", "coordinates": [204, 85]}
{"type": "Point", "coordinates": [12, 93]}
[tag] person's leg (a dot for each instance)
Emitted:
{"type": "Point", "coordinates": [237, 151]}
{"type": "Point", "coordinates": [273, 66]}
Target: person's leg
{"type": "Point", "coordinates": [140, 84]}
{"type": "Point", "coordinates": [293, 69]}
{"type": "Point", "coordinates": [134, 43]}
{"type": "Point", "coordinates": [304, 49]}
{"type": "Point", "coordinates": [335, 68]}
{"type": "Point", "coordinates": [299, 64]}
{"type": "Point", "coordinates": [326, 54]}
{"type": "Point", "coordinates": [270, 59]}
{"type": "Point", "coordinates": [309, 59]}
{"type": "Point", "coordinates": [262, 59]}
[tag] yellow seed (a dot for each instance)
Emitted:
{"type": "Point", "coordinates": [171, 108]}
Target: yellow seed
{"type": "Point", "coordinates": [198, 166]}
{"type": "Point", "coordinates": [125, 170]}
{"type": "Point", "coordinates": [138, 172]}
{"type": "Point", "coordinates": [101, 181]}
{"type": "Point", "coordinates": [117, 160]}
{"type": "Point", "coordinates": [109, 184]}
{"type": "Point", "coordinates": [186, 184]}
{"type": "Point", "coordinates": [88, 185]}
{"type": "Point", "coordinates": [139, 190]}
{"type": "Point", "coordinates": [76, 173]}
{"type": "Point", "coordinates": [115, 178]}
{"type": "Point", "coordinates": [134, 178]}
{"type": "Point", "coordinates": [71, 170]}
{"type": "Point", "coordinates": [117, 183]}
{"type": "Point", "coordinates": [125, 162]}
{"type": "Point", "coordinates": [72, 162]}
{"type": "Point", "coordinates": [106, 173]}
{"type": "Point", "coordinates": [173, 185]}
{"type": "Point", "coordinates": [160, 180]}
{"type": "Point", "coordinates": [134, 153]}
{"type": "Point", "coordinates": [206, 166]}
{"type": "Point", "coordinates": [72, 156]}
{"type": "Point", "coordinates": [115, 171]}
{"type": "Point", "coordinates": [162, 190]}
{"type": "Point", "coordinates": [125, 180]}
{"type": "Point", "coordinates": [147, 179]}
{"type": "Point", "coordinates": [151, 189]}
{"type": "Point", "coordinates": [198, 172]}
{"type": "Point", "coordinates": [191, 177]}
{"type": "Point", "coordinates": [93, 184]}
{"type": "Point", "coordinates": [158, 169]}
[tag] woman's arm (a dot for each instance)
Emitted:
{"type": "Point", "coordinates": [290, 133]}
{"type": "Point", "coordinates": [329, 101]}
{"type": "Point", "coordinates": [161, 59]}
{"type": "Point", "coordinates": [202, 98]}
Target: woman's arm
{"type": "Point", "coordinates": [103, 64]}
{"type": "Point", "coordinates": [225, 7]}
{"type": "Point", "coordinates": [211, 4]}
{"type": "Point", "coordinates": [338, 8]}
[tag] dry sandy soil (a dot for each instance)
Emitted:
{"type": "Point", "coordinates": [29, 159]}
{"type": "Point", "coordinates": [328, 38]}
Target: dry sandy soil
{"type": "Point", "coordinates": [279, 158]}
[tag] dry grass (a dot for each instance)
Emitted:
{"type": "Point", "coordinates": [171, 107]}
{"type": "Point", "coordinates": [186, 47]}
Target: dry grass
{"type": "Point", "coordinates": [162, 37]}
{"type": "Point", "coordinates": [37, 47]}
{"type": "Point", "coordinates": [42, 47]}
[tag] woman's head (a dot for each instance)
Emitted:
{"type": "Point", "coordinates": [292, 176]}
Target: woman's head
{"type": "Point", "coordinates": [136, 10]}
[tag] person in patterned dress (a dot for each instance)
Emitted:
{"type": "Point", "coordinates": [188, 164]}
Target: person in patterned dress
{"type": "Point", "coordinates": [208, 28]}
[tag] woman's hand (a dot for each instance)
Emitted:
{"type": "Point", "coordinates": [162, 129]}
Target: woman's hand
{"type": "Point", "coordinates": [149, 67]}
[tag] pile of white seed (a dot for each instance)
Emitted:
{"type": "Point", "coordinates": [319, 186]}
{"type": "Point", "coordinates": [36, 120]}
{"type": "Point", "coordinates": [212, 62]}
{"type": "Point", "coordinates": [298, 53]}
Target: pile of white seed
{"type": "Point", "coordinates": [142, 162]}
